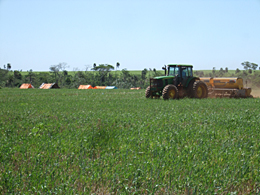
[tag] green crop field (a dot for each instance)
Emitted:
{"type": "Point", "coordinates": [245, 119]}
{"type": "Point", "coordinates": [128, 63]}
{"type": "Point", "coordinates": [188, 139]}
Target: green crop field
{"type": "Point", "coordinates": [69, 141]}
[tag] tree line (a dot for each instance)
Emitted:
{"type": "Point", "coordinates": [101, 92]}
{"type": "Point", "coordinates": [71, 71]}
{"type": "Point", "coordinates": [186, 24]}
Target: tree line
{"type": "Point", "coordinates": [98, 75]}
{"type": "Point", "coordinates": [108, 75]}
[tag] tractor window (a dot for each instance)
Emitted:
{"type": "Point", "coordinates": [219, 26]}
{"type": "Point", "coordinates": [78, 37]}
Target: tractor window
{"type": "Point", "coordinates": [173, 71]}
{"type": "Point", "coordinates": [189, 71]}
{"type": "Point", "coordinates": [184, 72]}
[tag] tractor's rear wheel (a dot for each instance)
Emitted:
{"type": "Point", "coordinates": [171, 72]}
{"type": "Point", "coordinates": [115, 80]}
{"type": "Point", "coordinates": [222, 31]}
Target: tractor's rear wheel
{"type": "Point", "coordinates": [200, 90]}
{"type": "Point", "coordinates": [148, 93]}
{"type": "Point", "coordinates": [190, 90]}
{"type": "Point", "coordinates": [170, 92]}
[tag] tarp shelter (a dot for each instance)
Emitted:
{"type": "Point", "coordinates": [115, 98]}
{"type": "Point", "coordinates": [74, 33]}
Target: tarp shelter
{"type": "Point", "coordinates": [49, 86]}
{"type": "Point", "coordinates": [137, 88]}
{"type": "Point", "coordinates": [26, 86]}
{"type": "Point", "coordinates": [105, 87]}
{"type": "Point", "coordinates": [111, 87]}
{"type": "Point", "coordinates": [100, 87]}
{"type": "Point", "coordinates": [85, 87]}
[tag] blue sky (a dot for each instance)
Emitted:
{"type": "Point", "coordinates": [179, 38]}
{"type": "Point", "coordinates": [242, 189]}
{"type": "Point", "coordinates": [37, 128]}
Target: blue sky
{"type": "Point", "coordinates": [35, 34]}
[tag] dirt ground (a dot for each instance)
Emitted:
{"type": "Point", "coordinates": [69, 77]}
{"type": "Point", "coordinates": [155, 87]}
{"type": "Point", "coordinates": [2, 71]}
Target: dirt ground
{"type": "Point", "coordinates": [256, 92]}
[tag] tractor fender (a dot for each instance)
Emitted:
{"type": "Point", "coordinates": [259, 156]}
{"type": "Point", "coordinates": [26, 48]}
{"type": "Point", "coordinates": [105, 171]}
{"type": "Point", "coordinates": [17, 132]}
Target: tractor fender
{"type": "Point", "coordinates": [189, 86]}
{"type": "Point", "coordinates": [191, 80]}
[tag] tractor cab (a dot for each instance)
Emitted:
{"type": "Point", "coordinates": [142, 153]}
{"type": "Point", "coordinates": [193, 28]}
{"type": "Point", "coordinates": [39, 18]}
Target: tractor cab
{"type": "Point", "coordinates": [181, 73]}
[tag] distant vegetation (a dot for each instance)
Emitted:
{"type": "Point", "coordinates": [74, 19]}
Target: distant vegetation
{"type": "Point", "coordinates": [101, 75]}
{"type": "Point", "coordinates": [107, 75]}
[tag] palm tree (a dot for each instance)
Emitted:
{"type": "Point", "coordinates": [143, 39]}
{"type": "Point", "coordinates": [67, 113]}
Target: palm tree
{"type": "Point", "coordinates": [8, 66]}
{"type": "Point", "coordinates": [117, 66]}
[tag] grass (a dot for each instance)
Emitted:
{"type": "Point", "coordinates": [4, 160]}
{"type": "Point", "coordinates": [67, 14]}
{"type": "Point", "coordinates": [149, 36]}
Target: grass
{"type": "Point", "coordinates": [118, 142]}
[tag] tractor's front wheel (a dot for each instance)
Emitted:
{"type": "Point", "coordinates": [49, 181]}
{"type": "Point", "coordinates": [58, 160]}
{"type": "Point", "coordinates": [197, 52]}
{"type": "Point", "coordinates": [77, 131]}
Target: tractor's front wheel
{"type": "Point", "coordinates": [200, 90]}
{"type": "Point", "coordinates": [148, 93]}
{"type": "Point", "coordinates": [170, 92]}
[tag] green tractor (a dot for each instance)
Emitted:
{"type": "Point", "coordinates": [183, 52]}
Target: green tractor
{"type": "Point", "coordinates": [177, 83]}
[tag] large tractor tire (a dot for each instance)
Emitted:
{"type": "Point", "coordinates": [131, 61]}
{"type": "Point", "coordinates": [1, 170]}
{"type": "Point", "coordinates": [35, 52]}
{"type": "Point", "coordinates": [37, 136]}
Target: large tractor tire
{"type": "Point", "coordinates": [200, 90]}
{"type": "Point", "coordinates": [170, 92]}
{"type": "Point", "coordinates": [190, 93]}
{"type": "Point", "coordinates": [148, 93]}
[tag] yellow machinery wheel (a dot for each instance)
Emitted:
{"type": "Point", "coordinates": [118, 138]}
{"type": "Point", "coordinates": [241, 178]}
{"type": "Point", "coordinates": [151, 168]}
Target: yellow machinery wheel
{"type": "Point", "coordinates": [170, 92]}
{"type": "Point", "coordinates": [200, 90]}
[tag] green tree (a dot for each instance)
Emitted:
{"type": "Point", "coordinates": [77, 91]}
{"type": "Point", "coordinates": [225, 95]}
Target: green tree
{"type": "Point", "coordinates": [55, 69]}
{"type": "Point", "coordinates": [221, 72]}
{"type": "Point", "coordinates": [125, 74]}
{"type": "Point", "coordinates": [8, 66]}
{"type": "Point", "coordinates": [68, 81]}
{"type": "Point", "coordinates": [103, 70]}
{"type": "Point", "coordinates": [17, 78]}
{"type": "Point", "coordinates": [254, 66]}
{"type": "Point", "coordinates": [10, 81]}
{"type": "Point", "coordinates": [44, 77]}
{"type": "Point", "coordinates": [3, 77]}
{"type": "Point", "coordinates": [103, 67]}
{"type": "Point", "coordinates": [30, 76]}
{"type": "Point", "coordinates": [144, 72]}
{"type": "Point", "coordinates": [237, 71]}
{"type": "Point", "coordinates": [246, 65]}
{"type": "Point", "coordinates": [17, 75]}
{"type": "Point", "coordinates": [117, 65]}
{"type": "Point", "coordinates": [214, 70]}
{"type": "Point", "coordinates": [249, 66]}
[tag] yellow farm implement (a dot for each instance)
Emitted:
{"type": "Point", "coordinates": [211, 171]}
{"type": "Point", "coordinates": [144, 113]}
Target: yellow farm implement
{"type": "Point", "coordinates": [226, 87]}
